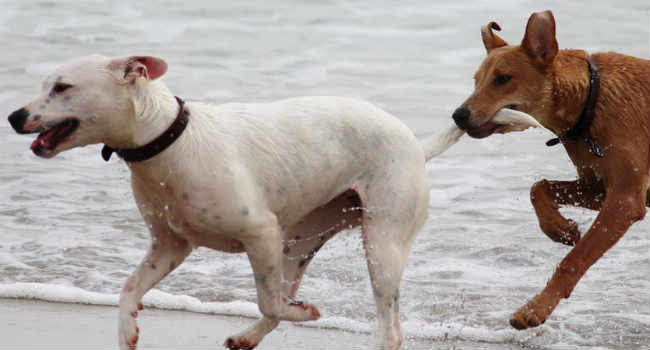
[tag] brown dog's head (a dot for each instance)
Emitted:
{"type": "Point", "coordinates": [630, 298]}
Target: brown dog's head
{"type": "Point", "coordinates": [511, 77]}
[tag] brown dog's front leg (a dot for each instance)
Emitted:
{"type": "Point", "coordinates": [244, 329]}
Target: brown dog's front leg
{"type": "Point", "coordinates": [547, 196]}
{"type": "Point", "coordinates": [619, 211]}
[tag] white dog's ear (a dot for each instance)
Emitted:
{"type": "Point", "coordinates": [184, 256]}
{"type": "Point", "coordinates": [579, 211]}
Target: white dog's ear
{"type": "Point", "coordinates": [135, 67]}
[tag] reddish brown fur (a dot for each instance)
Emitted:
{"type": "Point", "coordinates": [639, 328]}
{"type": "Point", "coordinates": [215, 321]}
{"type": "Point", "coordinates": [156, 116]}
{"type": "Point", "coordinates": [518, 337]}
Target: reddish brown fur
{"type": "Point", "coordinates": [552, 85]}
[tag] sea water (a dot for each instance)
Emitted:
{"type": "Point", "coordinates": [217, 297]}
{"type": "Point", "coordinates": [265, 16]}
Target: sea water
{"type": "Point", "coordinates": [70, 230]}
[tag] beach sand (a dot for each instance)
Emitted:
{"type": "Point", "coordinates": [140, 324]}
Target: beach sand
{"type": "Point", "coordinates": [33, 324]}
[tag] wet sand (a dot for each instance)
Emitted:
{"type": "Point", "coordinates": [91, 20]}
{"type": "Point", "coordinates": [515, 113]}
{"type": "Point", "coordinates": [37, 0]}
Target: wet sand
{"type": "Point", "coordinates": [33, 324]}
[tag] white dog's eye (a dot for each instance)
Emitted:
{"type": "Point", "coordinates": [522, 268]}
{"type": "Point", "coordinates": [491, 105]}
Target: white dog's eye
{"type": "Point", "coordinates": [60, 87]}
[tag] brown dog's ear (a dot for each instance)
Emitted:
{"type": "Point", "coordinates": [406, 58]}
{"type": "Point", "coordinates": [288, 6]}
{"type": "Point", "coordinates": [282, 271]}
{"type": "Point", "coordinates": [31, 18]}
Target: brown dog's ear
{"type": "Point", "coordinates": [491, 40]}
{"type": "Point", "coordinates": [539, 41]}
{"type": "Point", "coordinates": [134, 67]}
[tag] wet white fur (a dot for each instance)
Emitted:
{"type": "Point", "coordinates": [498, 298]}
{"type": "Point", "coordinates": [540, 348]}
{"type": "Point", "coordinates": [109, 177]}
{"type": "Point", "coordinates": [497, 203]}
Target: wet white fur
{"type": "Point", "coordinates": [253, 178]}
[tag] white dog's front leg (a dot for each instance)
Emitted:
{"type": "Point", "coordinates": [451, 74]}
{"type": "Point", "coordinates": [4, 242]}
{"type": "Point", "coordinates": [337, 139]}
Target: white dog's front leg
{"type": "Point", "coordinates": [265, 255]}
{"type": "Point", "coordinates": [163, 256]}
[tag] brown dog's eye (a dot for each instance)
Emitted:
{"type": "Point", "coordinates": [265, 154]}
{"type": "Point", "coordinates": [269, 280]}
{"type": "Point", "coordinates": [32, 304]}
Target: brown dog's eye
{"type": "Point", "coordinates": [502, 79]}
{"type": "Point", "coordinates": [60, 87]}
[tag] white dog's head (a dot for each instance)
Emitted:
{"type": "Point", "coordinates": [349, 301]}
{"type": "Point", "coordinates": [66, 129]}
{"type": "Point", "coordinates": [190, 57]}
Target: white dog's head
{"type": "Point", "coordinates": [87, 101]}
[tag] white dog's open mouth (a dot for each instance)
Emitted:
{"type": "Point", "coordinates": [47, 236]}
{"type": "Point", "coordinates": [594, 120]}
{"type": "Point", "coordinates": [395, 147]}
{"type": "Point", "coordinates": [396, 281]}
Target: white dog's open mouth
{"type": "Point", "coordinates": [48, 140]}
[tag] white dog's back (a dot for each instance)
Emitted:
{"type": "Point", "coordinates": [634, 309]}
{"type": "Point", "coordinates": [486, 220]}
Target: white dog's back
{"type": "Point", "coordinates": [333, 142]}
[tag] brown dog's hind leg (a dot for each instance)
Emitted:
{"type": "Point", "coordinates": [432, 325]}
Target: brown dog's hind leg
{"type": "Point", "coordinates": [619, 210]}
{"type": "Point", "coordinates": [548, 196]}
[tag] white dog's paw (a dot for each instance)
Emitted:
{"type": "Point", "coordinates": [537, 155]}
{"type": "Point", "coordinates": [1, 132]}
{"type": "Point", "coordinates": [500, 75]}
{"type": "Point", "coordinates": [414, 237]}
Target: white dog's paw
{"type": "Point", "coordinates": [389, 334]}
{"type": "Point", "coordinates": [297, 311]}
{"type": "Point", "coordinates": [392, 341]}
{"type": "Point", "coordinates": [249, 338]}
{"type": "Point", "coordinates": [241, 342]}
{"type": "Point", "coordinates": [128, 330]}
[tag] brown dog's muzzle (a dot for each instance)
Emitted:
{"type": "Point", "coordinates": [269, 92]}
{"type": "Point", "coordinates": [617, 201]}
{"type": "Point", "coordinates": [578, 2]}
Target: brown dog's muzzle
{"type": "Point", "coordinates": [463, 118]}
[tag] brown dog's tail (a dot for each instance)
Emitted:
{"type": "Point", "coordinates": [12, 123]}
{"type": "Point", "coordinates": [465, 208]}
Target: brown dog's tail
{"type": "Point", "coordinates": [440, 141]}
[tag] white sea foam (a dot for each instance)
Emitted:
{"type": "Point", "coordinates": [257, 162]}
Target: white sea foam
{"type": "Point", "coordinates": [56, 293]}
{"type": "Point", "coordinates": [161, 300]}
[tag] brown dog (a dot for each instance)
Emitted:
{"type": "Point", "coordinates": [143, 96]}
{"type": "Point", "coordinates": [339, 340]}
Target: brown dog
{"type": "Point", "coordinates": [598, 105]}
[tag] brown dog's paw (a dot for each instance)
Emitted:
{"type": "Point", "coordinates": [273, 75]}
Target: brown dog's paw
{"type": "Point", "coordinates": [524, 319]}
{"type": "Point", "coordinates": [566, 233]}
{"type": "Point", "coordinates": [534, 313]}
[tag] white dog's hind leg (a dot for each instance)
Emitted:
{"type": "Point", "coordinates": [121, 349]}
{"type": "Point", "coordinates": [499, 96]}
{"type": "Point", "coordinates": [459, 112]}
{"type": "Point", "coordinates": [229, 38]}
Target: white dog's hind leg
{"type": "Point", "coordinates": [309, 235]}
{"type": "Point", "coordinates": [266, 258]}
{"type": "Point", "coordinates": [165, 254]}
{"type": "Point", "coordinates": [385, 277]}
{"type": "Point", "coordinates": [304, 239]}
{"type": "Point", "coordinates": [298, 252]}
{"type": "Point", "coordinates": [389, 228]}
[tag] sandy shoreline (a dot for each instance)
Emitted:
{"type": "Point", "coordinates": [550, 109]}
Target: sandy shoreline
{"type": "Point", "coordinates": [34, 324]}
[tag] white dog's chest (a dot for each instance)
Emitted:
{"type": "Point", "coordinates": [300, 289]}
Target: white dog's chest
{"type": "Point", "coordinates": [188, 215]}
{"type": "Point", "coordinates": [199, 228]}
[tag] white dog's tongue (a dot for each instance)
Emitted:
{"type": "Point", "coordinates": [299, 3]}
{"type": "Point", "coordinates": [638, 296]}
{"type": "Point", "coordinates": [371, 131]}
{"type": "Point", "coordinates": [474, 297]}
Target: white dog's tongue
{"type": "Point", "coordinates": [44, 140]}
{"type": "Point", "coordinates": [52, 137]}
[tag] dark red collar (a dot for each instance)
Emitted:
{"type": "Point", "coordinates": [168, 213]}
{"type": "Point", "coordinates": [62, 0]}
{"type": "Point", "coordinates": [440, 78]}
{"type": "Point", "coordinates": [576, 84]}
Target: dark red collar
{"type": "Point", "coordinates": [581, 129]}
{"type": "Point", "coordinates": [156, 146]}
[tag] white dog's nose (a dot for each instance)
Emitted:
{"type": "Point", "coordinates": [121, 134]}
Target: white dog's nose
{"type": "Point", "coordinates": [17, 120]}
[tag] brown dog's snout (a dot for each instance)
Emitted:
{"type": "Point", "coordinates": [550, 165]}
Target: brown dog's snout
{"type": "Point", "coordinates": [17, 120]}
{"type": "Point", "coordinates": [461, 117]}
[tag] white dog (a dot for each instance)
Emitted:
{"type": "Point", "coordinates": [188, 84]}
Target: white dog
{"type": "Point", "coordinates": [274, 180]}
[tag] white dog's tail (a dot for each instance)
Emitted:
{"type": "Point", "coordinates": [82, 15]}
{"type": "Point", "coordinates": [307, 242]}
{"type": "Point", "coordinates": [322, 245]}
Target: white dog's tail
{"type": "Point", "coordinates": [440, 141]}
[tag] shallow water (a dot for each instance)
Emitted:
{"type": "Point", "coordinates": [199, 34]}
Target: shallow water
{"type": "Point", "coordinates": [70, 230]}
